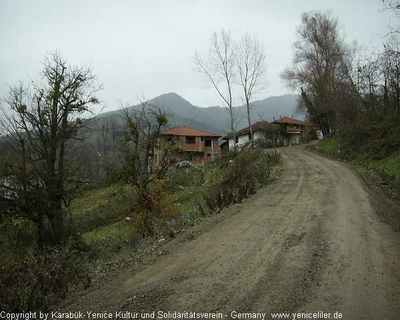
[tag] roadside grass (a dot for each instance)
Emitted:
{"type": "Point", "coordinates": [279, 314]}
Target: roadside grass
{"type": "Point", "coordinates": [89, 200]}
{"type": "Point", "coordinates": [389, 167]}
{"type": "Point", "coordinates": [110, 239]}
{"type": "Point", "coordinates": [99, 214]}
{"type": "Point", "coordinates": [100, 207]}
{"type": "Point", "coordinates": [188, 198]}
{"type": "Point", "coordinates": [329, 145]}
{"type": "Point", "coordinates": [276, 172]}
{"type": "Point", "coordinates": [384, 171]}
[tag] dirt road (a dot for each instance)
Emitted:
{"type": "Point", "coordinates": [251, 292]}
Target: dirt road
{"type": "Point", "coordinates": [311, 241]}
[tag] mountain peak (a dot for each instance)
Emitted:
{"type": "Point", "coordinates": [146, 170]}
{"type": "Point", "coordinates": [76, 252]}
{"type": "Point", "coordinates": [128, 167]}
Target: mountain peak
{"type": "Point", "coordinates": [171, 98]}
{"type": "Point", "coordinates": [170, 94]}
{"type": "Point", "coordinates": [216, 119]}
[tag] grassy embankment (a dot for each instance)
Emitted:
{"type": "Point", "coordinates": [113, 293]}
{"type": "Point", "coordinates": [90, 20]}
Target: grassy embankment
{"type": "Point", "coordinates": [100, 214]}
{"type": "Point", "coordinates": [101, 236]}
{"type": "Point", "coordinates": [383, 170]}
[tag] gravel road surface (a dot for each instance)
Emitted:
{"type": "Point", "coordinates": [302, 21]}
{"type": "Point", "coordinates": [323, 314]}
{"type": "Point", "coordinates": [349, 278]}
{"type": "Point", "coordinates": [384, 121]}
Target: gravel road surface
{"type": "Point", "coordinates": [314, 240]}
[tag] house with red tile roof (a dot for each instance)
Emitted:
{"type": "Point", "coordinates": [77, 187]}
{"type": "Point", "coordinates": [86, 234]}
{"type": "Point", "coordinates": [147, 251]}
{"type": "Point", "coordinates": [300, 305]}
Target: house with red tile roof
{"type": "Point", "coordinates": [293, 130]}
{"type": "Point", "coordinates": [290, 121]}
{"type": "Point", "coordinates": [261, 130]}
{"type": "Point", "coordinates": [191, 144]}
{"type": "Point", "coordinates": [284, 131]}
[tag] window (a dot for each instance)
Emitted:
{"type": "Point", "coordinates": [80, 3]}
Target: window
{"type": "Point", "coordinates": [190, 140]}
{"type": "Point", "coordinates": [237, 139]}
{"type": "Point", "coordinates": [189, 157]}
{"type": "Point", "coordinates": [208, 142]}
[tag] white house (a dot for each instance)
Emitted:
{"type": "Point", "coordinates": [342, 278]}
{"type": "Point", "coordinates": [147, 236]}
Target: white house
{"type": "Point", "coordinates": [261, 130]}
{"type": "Point", "coordinates": [284, 131]}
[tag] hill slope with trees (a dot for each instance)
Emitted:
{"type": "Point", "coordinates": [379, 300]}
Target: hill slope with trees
{"type": "Point", "coordinates": [216, 119]}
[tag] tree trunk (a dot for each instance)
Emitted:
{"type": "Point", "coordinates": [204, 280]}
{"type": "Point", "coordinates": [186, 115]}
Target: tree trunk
{"type": "Point", "coordinates": [249, 121]}
{"type": "Point", "coordinates": [41, 231]}
{"type": "Point", "coordinates": [57, 221]}
{"type": "Point", "coordinates": [232, 126]}
{"type": "Point", "coordinates": [325, 130]}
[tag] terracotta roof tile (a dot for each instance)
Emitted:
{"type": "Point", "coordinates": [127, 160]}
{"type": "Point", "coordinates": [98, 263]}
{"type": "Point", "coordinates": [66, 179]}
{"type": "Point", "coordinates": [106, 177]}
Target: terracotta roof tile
{"type": "Point", "coordinates": [261, 125]}
{"type": "Point", "coordinates": [188, 131]}
{"type": "Point", "coordinates": [288, 120]}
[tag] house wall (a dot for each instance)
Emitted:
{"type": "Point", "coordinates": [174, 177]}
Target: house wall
{"type": "Point", "coordinates": [231, 143]}
{"type": "Point", "coordinates": [283, 139]}
{"type": "Point", "coordinates": [198, 145]}
{"type": "Point", "coordinates": [294, 126]}
{"type": "Point", "coordinates": [197, 151]}
{"type": "Point", "coordinates": [224, 147]}
{"type": "Point", "coordinates": [259, 135]}
{"type": "Point", "coordinates": [242, 139]}
{"type": "Point", "coordinates": [295, 138]}
{"type": "Point", "coordinates": [290, 139]}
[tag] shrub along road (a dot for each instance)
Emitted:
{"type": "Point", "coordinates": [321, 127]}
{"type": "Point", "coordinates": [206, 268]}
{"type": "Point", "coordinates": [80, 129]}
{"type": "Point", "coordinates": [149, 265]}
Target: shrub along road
{"type": "Point", "coordinates": [314, 240]}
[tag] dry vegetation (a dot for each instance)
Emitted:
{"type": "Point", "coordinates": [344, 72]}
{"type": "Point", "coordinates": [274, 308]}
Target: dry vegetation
{"type": "Point", "coordinates": [108, 225]}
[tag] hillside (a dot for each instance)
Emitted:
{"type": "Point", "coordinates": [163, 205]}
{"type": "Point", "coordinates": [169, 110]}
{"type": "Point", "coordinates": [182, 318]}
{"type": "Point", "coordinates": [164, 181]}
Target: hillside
{"type": "Point", "coordinates": [216, 119]}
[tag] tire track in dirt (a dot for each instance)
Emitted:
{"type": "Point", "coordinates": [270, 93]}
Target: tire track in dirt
{"type": "Point", "coordinates": [310, 241]}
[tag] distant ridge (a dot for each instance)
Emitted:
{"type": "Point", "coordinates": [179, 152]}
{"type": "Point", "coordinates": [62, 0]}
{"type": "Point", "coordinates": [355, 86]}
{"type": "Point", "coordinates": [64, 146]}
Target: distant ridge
{"type": "Point", "coordinates": [216, 119]}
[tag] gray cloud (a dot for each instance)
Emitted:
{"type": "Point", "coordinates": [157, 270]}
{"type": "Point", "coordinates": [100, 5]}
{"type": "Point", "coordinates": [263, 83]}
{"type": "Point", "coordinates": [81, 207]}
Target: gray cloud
{"type": "Point", "coordinates": [146, 47]}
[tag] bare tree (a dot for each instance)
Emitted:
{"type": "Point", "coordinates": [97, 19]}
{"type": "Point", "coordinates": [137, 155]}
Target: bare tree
{"type": "Point", "coordinates": [250, 62]}
{"type": "Point", "coordinates": [147, 159]}
{"type": "Point", "coordinates": [102, 148]}
{"type": "Point", "coordinates": [41, 124]}
{"type": "Point", "coordinates": [318, 57]}
{"type": "Point", "coordinates": [394, 6]}
{"type": "Point", "coordinates": [143, 127]}
{"type": "Point", "coordinates": [115, 136]}
{"type": "Point", "coordinates": [107, 141]}
{"type": "Point", "coordinates": [390, 64]}
{"type": "Point", "coordinates": [219, 68]}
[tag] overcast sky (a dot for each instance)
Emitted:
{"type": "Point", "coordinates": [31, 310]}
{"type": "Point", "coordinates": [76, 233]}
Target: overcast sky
{"type": "Point", "coordinates": [146, 47]}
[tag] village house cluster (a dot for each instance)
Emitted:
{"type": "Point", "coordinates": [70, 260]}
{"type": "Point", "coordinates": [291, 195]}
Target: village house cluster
{"type": "Point", "coordinates": [199, 146]}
